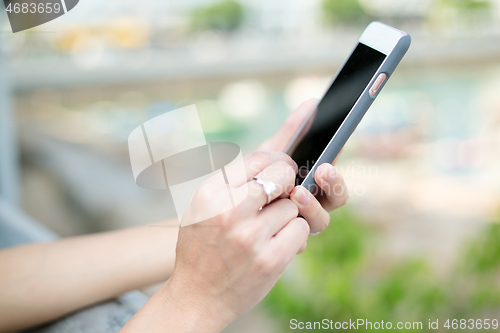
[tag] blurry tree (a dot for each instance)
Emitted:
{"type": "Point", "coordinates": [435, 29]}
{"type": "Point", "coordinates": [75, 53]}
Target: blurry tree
{"type": "Point", "coordinates": [226, 15]}
{"type": "Point", "coordinates": [343, 11]}
{"type": "Point", "coordinates": [339, 277]}
{"type": "Point", "coordinates": [479, 273]}
{"type": "Point", "coordinates": [461, 14]}
{"type": "Point", "coordinates": [466, 4]}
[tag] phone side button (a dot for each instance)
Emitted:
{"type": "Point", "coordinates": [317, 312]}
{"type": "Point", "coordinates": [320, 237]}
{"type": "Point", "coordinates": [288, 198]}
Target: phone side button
{"type": "Point", "coordinates": [377, 84]}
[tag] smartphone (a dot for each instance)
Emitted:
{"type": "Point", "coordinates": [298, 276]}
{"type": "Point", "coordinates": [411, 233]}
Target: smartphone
{"type": "Point", "coordinates": [353, 89]}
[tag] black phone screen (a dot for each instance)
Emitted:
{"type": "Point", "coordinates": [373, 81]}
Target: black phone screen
{"type": "Point", "coordinates": [336, 104]}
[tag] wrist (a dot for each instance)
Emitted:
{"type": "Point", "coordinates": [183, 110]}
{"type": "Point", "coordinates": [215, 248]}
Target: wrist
{"type": "Point", "coordinates": [192, 311]}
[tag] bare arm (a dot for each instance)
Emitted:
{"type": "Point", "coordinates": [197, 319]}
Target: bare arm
{"type": "Point", "coordinates": [220, 275]}
{"type": "Point", "coordinates": [41, 282]}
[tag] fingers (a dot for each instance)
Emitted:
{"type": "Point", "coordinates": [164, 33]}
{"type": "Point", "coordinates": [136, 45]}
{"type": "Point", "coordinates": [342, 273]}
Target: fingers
{"type": "Point", "coordinates": [302, 248]}
{"type": "Point", "coordinates": [276, 215]}
{"type": "Point", "coordinates": [258, 161]}
{"type": "Point", "coordinates": [280, 140]}
{"type": "Point", "coordinates": [283, 177]}
{"type": "Point", "coordinates": [335, 193]}
{"type": "Point", "coordinates": [310, 208]}
{"type": "Point", "coordinates": [289, 241]}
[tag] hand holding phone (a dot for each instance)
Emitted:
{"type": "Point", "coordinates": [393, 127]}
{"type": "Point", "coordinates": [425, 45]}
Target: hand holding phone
{"type": "Point", "coordinates": [353, 89]}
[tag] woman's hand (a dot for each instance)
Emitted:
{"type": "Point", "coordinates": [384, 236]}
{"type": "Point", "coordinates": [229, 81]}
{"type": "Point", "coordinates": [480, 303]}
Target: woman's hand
{"type": "Point", "coordinates": [334, 190]}
{"type": "Point", "coordinates": [227, 264]}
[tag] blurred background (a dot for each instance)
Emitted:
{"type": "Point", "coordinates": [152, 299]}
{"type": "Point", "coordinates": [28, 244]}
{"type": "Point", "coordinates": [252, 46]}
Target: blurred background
{"type": "Point", "coordinates": [419, 237]}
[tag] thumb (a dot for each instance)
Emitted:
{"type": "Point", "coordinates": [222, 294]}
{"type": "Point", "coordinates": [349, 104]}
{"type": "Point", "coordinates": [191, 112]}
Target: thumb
{"type": "Point", "coordinates": [284, 135]}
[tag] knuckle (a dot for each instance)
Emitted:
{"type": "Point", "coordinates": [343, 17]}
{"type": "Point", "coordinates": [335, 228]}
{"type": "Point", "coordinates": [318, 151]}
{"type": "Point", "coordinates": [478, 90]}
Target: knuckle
{"type": "Point", "coordinates": [290, 172]}
{"type": "Point", "coordinates": [259, 154]}
{"type": "Point", "coordinates": [265, 266]}
{"type": "Point", "coordinates": [225, 218]}
{"type": "Point", "coordinates": [202, 193]}
{"type": "Point", "coordinates": [286, 172]}
{"type": "Point", "coordinates": [285, 159]}
{"type": "Point", "coordinates": [243, 240]}
{"type": "Point", "coordinates": [281, 164]}
{"type": "Point", "coordinates": [289, 159]}
{"type": "Point", "coordinates": [283, 156]}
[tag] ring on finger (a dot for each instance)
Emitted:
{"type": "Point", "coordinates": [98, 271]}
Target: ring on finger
{"type": "Point", "coordinates": [269, 187]}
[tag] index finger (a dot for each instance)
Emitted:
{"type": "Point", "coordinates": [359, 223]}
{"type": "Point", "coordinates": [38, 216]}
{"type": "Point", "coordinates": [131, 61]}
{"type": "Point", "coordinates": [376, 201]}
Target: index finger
{"type": "Point", "coordinates": [256, 162]}
{"type": "Point", "coordinates": [280, 140]}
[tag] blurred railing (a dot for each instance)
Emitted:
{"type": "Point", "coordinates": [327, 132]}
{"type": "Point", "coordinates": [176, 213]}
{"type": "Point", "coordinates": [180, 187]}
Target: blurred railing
{"type": "Point", "coordinates": [9, 168]}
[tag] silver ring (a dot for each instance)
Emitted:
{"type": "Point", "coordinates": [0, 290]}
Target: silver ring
{"type": "Point", "coordinates": [269, 188]}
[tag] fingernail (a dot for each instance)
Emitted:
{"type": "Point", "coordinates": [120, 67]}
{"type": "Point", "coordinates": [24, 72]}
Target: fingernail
{"type": "Point", "coordinates": [314, 233]}
{"type": "Point", "coordinates": [301, 196]}
{"type": "Point", "coordinates": [329, 173]}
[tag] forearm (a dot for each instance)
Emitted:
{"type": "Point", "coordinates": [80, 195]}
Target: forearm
{"type": "Point", "coordinates": [41, 282]}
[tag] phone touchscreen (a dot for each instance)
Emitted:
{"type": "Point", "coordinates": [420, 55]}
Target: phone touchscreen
{"type": "Point", "coordinates": [336, 105]}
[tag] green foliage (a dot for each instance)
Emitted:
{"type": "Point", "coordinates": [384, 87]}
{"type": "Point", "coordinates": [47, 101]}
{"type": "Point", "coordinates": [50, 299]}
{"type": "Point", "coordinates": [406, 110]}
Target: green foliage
{"type": "Point", "coordinates": [226, 15]}
{"type": "Point", "coordinates": [481, 269]}
{"type": "Point", "coordinates": [466, 4]}
{"type": "Point", "coordinates": [340, 277]}
{"type": "Point", "coordinates": [343, 11]}
{"type": "Point", "coordinates": [484, 253]}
